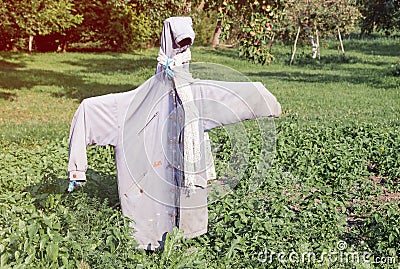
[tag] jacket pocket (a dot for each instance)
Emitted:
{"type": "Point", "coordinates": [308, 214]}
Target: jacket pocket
{"type": "Point", "coordinates": [148, 122]}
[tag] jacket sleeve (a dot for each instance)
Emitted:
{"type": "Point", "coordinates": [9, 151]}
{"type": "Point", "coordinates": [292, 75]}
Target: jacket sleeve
{"type": "Point", "coordinates": [94, 123]}
{"type": "Point", "coordinates": [221, 103]}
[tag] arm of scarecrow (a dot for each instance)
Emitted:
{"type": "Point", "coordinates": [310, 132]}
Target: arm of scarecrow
{"type": "Point", "coordinates": [221, 103]}
{"type": "Point", "coordinates": [94, 123]}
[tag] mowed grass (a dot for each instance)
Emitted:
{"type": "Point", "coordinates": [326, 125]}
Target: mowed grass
{"type": "Point", "coordinates": [360, 87]}
{"type": "Point", "coordinates": [334, 177]}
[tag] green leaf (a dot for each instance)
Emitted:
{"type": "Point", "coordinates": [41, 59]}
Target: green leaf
{"type": "Point", "coordinates": [43, 242]}
{"type": "Point", "coordinates": [29, 259]}
{"type": "Point", "coordinates": [4, 260]}
{"type": "Point", "coordinates": [33, 229]}
{"type": "Point", "coordinates": [52, 252]}
{"type": "Point", "coordinates": [17, 254]}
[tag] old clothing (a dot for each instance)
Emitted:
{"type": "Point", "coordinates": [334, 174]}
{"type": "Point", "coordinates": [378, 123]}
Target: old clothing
{"type": "Point", "coordinates": [148, 128]}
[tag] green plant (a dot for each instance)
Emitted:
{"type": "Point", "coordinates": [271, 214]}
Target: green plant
{"type": "Point", "coordinates": [395, 70]}
{"type": "Point", "coordinates": [334, 175]}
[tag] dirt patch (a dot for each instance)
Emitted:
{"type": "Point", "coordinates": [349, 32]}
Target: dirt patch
{"type": "Point", "coordinates": [387, 196]}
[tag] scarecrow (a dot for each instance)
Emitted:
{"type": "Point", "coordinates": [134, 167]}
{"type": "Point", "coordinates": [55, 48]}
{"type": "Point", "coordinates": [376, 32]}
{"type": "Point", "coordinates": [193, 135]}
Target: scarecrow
{"type": "Point", "coordinates": [159, 135]}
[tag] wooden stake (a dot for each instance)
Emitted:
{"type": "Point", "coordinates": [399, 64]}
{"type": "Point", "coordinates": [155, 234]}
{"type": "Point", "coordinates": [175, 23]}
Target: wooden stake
{"type": "Point", "coordinates": [341, 42]}
{"type": "Point", "coordinates": [318, 49]}
{"type": "Point", "coordinates": [30, 44]}
{"type": "Point", "coordinates": [295, 44]}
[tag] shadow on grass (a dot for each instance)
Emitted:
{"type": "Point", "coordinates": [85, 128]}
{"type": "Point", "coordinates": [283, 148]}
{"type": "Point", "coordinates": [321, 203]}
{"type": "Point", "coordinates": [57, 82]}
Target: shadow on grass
{"type": "Point", "coordinates": [325, 60]}
{"type": "Point", "coordinates": [7, 96]}
{"type": "Point", "coordinates": [328, 60]}
{"type": "Point", "coordinates": [368, 75]}
{"type": "Point", "coordinates": [225, 52]}
{"type": "Point", "coordinates": [303, 58]}
{"type": "Point", "coordinates": [69, 84]}
{"type": "Point", "coordinates": [116, 65]}
{"type": "Point", "coordinates": [100, 186]}
{"type": "Point", "coordinates": [72, 86]}
{"type": "Point", "coordinates": [380, 47]}
{"type": "Point", "coordinates": [7, 66]}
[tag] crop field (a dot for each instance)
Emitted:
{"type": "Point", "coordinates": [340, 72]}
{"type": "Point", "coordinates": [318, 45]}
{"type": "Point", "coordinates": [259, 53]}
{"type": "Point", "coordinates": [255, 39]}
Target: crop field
{"type": "Point", "coordinates": [331, 198]}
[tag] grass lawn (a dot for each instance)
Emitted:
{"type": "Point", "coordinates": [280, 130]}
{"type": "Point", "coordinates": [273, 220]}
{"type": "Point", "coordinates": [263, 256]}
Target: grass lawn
{"type": "Point", "coordinates": [333, 186]}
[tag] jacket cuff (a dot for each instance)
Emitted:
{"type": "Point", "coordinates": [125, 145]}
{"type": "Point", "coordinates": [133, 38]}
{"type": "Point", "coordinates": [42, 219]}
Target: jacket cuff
{"type": "Point", "coordinates": [76, 176]}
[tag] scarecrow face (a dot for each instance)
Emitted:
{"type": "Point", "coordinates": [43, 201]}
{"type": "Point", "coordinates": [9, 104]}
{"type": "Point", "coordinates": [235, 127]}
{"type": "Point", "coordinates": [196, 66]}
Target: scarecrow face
{"type": "Point", "coordinates": [177, 35]}
{"type": "Point", "coordinates": [185, 42]}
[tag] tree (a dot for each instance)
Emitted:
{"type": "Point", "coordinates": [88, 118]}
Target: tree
{"type": "Point", "coordinates": [38, 18]}
{"type": "Point", "coordinates": [263, 22]}
{"type": "Point", "coordinates": [321, 18]}
{"type": "Point", "coordinates": [123, 25]}
{"type": "Point", "coordinates": [380, 15]}
{"type": "Point", "coordinates": [252, 24]}
{"type": "Point", "coordinates": [120, 25]}
{"type": "Point", "coordinates": [322, 15]}
{"type": "Point", "coordinates": [6, 29]}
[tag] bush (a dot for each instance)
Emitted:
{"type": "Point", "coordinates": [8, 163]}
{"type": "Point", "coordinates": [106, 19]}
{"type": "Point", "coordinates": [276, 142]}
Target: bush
{"type": "Point", "coordinates": [204, 25]}
{"type": "Point", "coordinates": [395, 70]}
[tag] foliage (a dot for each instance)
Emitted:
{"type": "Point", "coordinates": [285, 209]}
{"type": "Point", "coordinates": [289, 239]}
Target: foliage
{"type": "Point", "coordinates": [203, 25]}
{"type": "Point", "coordinates": [116, 25]}
{"type": "Point", "coordinates": [127, 25]}
{"type": "Point", "coordinates": [127, 28]}
{"type": "Point", "coordinates": [256, 22]}
{"type": "Point", "coordinates": [123, 25]}
{"type": "Point", "coordinates": [380, 15]}
{"type": "Point", "coordinates": [334, 177]}
{"type": "Point", "coordinates": [36, 17]}
{"type": "Point", "coordinates": [263, 22]}
{"type": "Point", "coordinates": [324, 16]}
{"type": "Point", "coordinates": [6, 29]}
{"type": "Point", "coordinates": [395, 70]}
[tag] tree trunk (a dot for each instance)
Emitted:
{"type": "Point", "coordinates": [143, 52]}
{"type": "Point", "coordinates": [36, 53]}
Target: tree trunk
{"type": "Point", "coordinates": [217, 33]}
{"type": "Point", "coordinates": [314, 48]}
{"type": "Point", "coordinates": [64, 46]}
{"type": "Point", "coordinates": [295, 44]}
{"type": "Point", "coordinates": [319, 48]}
{"type": "Point", "coordinates": [271, 42]}
{"type": "Point", "coordinates": [30, 46]}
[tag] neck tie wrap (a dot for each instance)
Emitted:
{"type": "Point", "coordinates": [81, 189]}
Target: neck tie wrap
{"type": "Point", "coordinates": [177, 60]}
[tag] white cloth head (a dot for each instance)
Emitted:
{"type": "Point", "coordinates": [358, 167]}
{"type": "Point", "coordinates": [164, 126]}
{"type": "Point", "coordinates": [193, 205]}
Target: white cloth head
{"type": "Point", "coordinates": [177, 36]}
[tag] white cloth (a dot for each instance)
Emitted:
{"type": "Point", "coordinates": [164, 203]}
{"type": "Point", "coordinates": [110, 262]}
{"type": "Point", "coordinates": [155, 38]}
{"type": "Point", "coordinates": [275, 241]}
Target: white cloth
{"type": "Point", "coordinates": [145, 135]}
{"type": "Point", "coordinates": [177, 60]}
{"type": "Point", "coordinates": [191, 129]}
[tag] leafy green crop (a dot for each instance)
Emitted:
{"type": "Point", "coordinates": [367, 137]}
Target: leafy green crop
{"type": "Point", "coordinates": [333, 178]}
